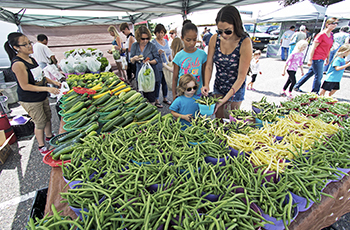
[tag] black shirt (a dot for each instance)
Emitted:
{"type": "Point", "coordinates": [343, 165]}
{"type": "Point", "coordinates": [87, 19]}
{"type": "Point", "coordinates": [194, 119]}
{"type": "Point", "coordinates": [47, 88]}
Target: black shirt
{"type": "Point", "coordinates": [30, 96]}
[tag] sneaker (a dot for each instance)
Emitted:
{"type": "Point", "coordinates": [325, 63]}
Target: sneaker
{"type": "Point", "coordinates": [290, 97]}
{"type": "Point", "coordinates": [252, 89]}
{"type": "Point", "coordinates": [43, 150]}
{"type": "Point", "coordinates": [47, 139]}
{"type": "Point", "coordinates": [297, 90]}
{"type": "Point", "coordinates": [283, 94]}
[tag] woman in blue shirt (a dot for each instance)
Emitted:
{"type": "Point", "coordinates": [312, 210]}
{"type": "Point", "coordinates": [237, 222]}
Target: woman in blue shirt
{"type": "Point", "coordinates": [164, 52]}
{"type": "Point", "coordinates": [142, 51]}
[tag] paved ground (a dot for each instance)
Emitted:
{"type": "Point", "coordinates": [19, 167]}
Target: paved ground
{"type": "Point", "coordinates": [24, 172]}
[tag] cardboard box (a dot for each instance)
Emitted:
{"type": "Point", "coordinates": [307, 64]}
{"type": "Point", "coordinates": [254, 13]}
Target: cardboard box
{"type": "Point", "coordinates": [5, 149]}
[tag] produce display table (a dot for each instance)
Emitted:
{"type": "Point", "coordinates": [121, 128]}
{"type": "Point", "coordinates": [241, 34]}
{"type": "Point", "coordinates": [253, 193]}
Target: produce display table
{"type": "Point", "coordinates": [317, 217]}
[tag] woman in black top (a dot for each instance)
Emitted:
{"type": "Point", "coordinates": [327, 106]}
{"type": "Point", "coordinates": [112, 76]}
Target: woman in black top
{"type": "Point", "coordinates": [32, 90]}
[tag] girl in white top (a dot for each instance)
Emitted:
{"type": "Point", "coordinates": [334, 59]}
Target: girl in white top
{"type": "Point", "coordinates": [255, 68]}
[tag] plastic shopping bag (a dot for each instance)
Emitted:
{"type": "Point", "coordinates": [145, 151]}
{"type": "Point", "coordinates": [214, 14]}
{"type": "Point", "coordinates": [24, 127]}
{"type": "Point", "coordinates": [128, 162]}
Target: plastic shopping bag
{"type": "Point", "coordinates": [52, 72]}
{"type": "Point", "coordinates": [67, 65]}
{"type": "Point", "coordinates": [64, 88]}
{"type": "Point", "coordinates": [92, 64]}
{"type": "Point", "coordinates": [146, 78]}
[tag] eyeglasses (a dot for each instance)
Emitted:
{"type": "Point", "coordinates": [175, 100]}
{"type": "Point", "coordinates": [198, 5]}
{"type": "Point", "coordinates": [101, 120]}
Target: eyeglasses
{"type": "Point", "coordinates": [334, 23]}
{"type": "Point", "coordinates": [27, 45]}
{"type": "Point", "coordinates": [144, 39]}
{"type": "Point", "coordinates": [228, 32]}
{"type": "Point", "coordinates": [190, 89]}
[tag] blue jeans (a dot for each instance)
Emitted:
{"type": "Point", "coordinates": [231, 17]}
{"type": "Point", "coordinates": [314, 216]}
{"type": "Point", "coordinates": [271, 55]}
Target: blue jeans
{"type": "Point", "coordinates": [317, 70]}
{"type": "Point", "coordinates": [239, 95]}
{"type": "Point", "coordinates": [164, 86]}
{"type": "Point", "coordinates": [284, 53]}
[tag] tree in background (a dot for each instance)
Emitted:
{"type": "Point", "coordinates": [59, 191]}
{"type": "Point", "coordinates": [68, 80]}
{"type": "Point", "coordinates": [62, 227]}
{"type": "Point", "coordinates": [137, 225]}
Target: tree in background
{"type": "Point", "coordinates": [318, 2]}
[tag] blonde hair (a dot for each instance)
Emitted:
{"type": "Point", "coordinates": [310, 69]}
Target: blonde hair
{"type": "Point", "coordinates": [176, 45]}
{"type": "Point", "coordinates": [184, 80]}
{"type": "Point", "coordinates": [343, 49]}
{"type": "Point", "coordinates": [300, 45]}
{"type": "Point", "coordinates": [114, 30]}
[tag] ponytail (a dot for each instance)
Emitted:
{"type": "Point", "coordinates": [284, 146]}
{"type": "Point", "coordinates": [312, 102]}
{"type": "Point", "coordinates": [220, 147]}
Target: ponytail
{"type": "Point", "coordinates": [12, 40]}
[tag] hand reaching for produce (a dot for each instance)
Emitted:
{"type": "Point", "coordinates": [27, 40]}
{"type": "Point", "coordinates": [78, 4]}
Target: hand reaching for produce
{"type": "Point", "coordinates": [205, 90]}
{"type": "Point", "coordinates": [187, 117]}
{"type": "Point", "coordinates": [220, 103]}
{"type": "Point", "coordinates": [53, 90]}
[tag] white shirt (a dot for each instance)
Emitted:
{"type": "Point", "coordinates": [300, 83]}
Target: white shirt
{"type": "Point", "coordinates": [286, 38]}
{"type": "Point", "coordinates": [255, 66]}
{"type": "Point", "coordinates": [42, 53]}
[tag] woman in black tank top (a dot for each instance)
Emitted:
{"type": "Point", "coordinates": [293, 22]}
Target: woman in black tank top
{"type": "Point", "coordinates": [32, 90]}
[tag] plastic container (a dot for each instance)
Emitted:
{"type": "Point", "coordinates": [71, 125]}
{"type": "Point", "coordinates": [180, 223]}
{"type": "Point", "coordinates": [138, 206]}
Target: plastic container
{"type": "Point", "coordinates": [301, 202]}
{"type": "Point", "coordinates": [206, 110]}
{"type": "Point", "coordinates": [23, 126]}
{"type": "Point", "coordinates": [4, 104]}
{"type": "Point", "coordinates": [9, 89]}
{"type": "Point", "coordinates": [39, 203]}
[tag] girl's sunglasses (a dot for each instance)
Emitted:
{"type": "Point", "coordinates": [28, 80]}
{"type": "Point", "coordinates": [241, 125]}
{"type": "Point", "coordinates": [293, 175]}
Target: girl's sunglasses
{"type": "Point", "coordinates": [144, 39]}
{"type": "Point", "coordinates": [190, 89]}
{"type": "Point", "coordinates": [228, 32]}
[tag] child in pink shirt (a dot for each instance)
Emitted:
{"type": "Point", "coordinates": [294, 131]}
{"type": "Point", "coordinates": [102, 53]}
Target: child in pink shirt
{"type": "Point", "coordinates": [294, 61]}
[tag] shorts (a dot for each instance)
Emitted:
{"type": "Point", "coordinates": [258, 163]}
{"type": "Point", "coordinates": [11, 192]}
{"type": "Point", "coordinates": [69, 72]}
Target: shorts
{"type": "Point", "coordinates": [329, 86]}
{"type": "Point", "coordinates": [40, 112]}
{"type": "Point", "coordinates": [239, 95]}
{"type": "Point", "coordinates": [254, 77]}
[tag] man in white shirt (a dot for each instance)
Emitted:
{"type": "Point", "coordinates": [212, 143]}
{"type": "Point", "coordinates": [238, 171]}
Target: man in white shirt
{"type": "Point", "coordinates": [285, 39]}
{"type": "Point", "coordinates": [42, 54]}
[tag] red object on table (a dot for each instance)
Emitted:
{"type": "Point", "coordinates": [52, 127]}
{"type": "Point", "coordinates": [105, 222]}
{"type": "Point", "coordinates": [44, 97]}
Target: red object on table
{"type": "Point", "coordinates": [82, 90]}
{"type": "Point", "coordinates": [47, 159]}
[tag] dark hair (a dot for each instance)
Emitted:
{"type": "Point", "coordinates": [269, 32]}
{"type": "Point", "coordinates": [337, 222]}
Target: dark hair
{"type": "Point", "coordinates": [12, 40]}
{"type": "Point", "coordinates": [188, 26]}
{"type": "Point", "coordinates": [231, 15]}
{"type": "Point", "coordinates": [344, 28]}
{"type": "Point", "coordinates": [186, 21]}
{"type": "Point", "coordinates": [159, 28]}
{"type": "Point", "coordinates": [292, 27]}
{"type": "Point", "coordinates": [41, 37]}
{"type": "Point", "coordinates": [123, 26]}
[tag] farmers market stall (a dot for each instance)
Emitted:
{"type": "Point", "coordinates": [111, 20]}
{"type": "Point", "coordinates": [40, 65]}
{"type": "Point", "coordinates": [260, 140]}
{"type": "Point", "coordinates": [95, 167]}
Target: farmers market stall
{"type": "Point", "coordinates": [159, 175]}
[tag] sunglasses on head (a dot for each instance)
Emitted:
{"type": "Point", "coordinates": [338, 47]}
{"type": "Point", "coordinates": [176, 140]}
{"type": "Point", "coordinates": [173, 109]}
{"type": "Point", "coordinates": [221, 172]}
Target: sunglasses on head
{"type": "Point", "coordinates": [228, 32]}
{"type": "Point", "coordinates": [190, 89]}
{"type": "Point", "coordinates": [144, 39]}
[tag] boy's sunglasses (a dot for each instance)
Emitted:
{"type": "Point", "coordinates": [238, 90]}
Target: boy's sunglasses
{"type": "Point", "coordinates": [228, 32]}
{"type": "Point", "coordinates": [144, 39]}
{"type": "Point", "coordinates": [190, 89]}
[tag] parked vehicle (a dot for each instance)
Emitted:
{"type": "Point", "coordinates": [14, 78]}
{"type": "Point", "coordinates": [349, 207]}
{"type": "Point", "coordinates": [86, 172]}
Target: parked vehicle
{"type": "Point", "coordinates": [259, 38]}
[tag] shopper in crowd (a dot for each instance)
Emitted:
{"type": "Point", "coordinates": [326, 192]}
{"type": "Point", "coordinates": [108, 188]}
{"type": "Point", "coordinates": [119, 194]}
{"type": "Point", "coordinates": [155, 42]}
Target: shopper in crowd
{"type": "Point", "coordinates": [206, 37]}
{"type": "Point", "coordinates": [340, 38]}
{"type": "Point", "coordinates": [255, 68]}
{"type": "Point", "coordinates": [231, 51]}
{"type": "Point", "coordinates": [297, 36]}
{"type": "Point", "coordinates": [185, 106]}
{"type": "Point", "coordinates": [189, 60]}
{"type": "Point", "coordinates": [176, 47]}
{"type": "Point", "coordinates": [117, 45]}
{"type": "Point", "coordinates": [130, 39]}
{"type": "Point", "coordinates": [143, 51]}
{"type": "Point", "coordinates": [165, 53]}
{"type": "Point", "coordinates": [173, 35]}
{"type": "Point", "coordinates": [285, 40]}
{"type": "Point", "coordinates": [294, 61]}
{"type": "Point", "coordinates": [336, 71]}
{"type": "Point", "coordinates": [32, 90]}
{"type": "Point", "coordinates": [319, 52]}
{"type": "Point", "coordinates": [42, 54]}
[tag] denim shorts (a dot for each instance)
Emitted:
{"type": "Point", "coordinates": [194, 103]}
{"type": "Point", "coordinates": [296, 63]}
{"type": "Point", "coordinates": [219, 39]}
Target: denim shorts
{"type": "Point", "coordinates": [239, 95]}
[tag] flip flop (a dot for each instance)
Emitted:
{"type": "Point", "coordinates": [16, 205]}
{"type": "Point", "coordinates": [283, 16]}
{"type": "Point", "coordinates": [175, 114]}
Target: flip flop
{"type": "Point", "coordinates": [167, 102]}
{"type": "Point", "coordinates": [158, 105]}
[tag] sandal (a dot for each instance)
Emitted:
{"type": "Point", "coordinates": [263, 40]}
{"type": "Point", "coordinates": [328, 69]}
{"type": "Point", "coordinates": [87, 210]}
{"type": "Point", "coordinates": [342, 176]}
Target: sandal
{"type": "Point", "coordinates": [167, 102]}
{"type": "Point", "coordinates": [158, 105]}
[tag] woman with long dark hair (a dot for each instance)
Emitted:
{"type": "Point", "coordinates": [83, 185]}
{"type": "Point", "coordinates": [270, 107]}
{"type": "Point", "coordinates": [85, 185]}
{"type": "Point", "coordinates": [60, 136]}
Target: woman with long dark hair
{"type": "Point", "coordinates": [231, 51]}
{"type": "Point", "coordinates": [32, 90]}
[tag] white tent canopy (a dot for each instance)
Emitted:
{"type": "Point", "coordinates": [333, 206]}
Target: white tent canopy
{"type": "Point", "coordinates": [339, 10]}
{"type": "Point", "coordinates": [298, 12]}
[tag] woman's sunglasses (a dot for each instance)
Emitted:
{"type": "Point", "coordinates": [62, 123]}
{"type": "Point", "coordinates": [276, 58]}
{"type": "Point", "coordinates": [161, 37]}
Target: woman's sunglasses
{"type": "Point", "coordinates": [144, 39]}
{"type": "Point", "coordinates": [334, 23]}
{"type": "Point", "coordinates": [228, 32]}
{"type": "Point", "coordinates": [190, 89]}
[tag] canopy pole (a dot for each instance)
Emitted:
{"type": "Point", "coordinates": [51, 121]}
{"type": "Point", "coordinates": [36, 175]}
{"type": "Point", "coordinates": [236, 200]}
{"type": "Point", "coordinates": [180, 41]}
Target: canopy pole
{"type": "Point", "coordinates": [185, 4]}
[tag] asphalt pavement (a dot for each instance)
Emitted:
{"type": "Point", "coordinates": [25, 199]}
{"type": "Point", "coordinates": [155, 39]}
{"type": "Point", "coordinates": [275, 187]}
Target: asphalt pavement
{"type": "Point", "coordinates": [24, 172]}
